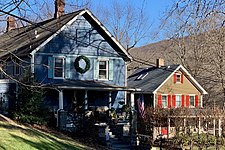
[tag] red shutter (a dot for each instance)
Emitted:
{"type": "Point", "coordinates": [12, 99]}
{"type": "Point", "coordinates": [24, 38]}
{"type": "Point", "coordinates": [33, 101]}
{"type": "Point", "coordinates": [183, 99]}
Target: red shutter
{"type": "Point", "coordinates": [196, 100]}
{"type": "Point", "coordinates": [169, 101]}
{"type": "Point", "coordinates": [182, 78]}
{"type": "Point", "coordinates": [173, 100]}
{"type": "Point", "coordinates": [182, 101]}
{"type": "Point", "coordinates": [175, 78]}
{"type": "Point", "coordinates": [187, 100]}
{"type": "Point", "coordinates": [160, 101]}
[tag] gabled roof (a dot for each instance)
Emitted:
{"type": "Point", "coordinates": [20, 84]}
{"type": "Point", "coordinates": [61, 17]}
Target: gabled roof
{"type": "Point", "coordinates": [25, 40]}
{"type": "Point", "coordinates": [149, 80]}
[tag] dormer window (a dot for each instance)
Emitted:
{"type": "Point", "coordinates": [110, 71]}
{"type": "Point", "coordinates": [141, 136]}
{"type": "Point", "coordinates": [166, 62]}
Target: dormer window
{"type": "Point", "coordinates": [178, 78]}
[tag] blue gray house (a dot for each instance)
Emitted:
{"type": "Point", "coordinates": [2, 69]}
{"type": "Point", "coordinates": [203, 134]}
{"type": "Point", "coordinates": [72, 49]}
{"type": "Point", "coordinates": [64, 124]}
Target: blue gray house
{"type": "Point", "coordinates": [73, 56]}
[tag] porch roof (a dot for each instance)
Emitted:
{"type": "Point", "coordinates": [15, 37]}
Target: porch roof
{"type": "Point", "coordinates": [89, 85]}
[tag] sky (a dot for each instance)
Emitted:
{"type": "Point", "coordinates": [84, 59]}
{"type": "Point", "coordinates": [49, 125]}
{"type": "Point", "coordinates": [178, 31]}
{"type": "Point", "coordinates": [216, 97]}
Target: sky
{"type": "Point", "coordinates": [154, 9]}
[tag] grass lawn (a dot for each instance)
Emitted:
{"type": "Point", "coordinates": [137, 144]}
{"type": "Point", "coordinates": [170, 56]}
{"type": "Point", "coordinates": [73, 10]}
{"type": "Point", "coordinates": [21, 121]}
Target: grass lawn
{"type": "Point", "coordinates": [17, 137]}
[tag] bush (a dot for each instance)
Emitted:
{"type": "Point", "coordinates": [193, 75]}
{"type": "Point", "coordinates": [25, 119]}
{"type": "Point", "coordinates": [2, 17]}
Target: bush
{"type": "Point", "coordinates": [29, 119]}
{"type": "Point", "coordinates": [29, 103]}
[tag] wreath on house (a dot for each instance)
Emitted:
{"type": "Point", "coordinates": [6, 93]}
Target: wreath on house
{"type": "Point", "coordinates": [77, 65]}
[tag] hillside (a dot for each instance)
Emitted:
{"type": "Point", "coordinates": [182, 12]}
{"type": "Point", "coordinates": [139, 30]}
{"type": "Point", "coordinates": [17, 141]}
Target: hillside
{"type": "Point", "coordinates": [150, 53]}
{"type": "Point", "coordinates": [18, 137]}
{"type": "Point", "coordinates": [202, 55]}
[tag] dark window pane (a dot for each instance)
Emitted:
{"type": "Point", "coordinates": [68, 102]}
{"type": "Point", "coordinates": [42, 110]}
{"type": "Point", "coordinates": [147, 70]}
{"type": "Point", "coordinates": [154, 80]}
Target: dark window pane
{"type": "Point", "coordinates": [58, 72]}
{"type": "Point", "coordinates": [192, 101]}
{"type": "Point", "coordinates": [102, 65]}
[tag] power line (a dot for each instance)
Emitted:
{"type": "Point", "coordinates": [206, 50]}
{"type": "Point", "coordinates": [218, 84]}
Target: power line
{"type": "Point", "coordinates": [135, 59]}
{"type": "Point", "coordinates": [139, 60]}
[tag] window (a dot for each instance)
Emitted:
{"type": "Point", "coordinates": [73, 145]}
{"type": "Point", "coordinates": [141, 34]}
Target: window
{"type": "Point", "coordinates": [16, 67]}
{"type": "Point", "coordinates": [3, 102]}
{"type": "Point", "coordinates": [192, 101]}
{"type": "Point", "coordinates": [103, 69]}
{"type": "Point", "coordinates": [178, 78]}
{"type": "Point", "coordinates": [164, 101]}
{"type": "Point", "coordinates": [59, 67]}
{"type": "Point", "coordinates": [178, 100]}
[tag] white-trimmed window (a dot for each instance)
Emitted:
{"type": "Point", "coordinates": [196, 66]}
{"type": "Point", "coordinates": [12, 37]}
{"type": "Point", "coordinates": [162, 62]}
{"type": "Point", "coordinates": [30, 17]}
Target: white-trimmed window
{"type": "Point", "coordinates": [164, 101]}
{"type": "Point", "coordinates": [178, 100]}
{"type": "Point", "coordinates": [103, 69]}
{"type": "Point", "coordinates": [58, 67]}
{"type": "Point", "coordinates": [178, 78]}
{"type": "Point", "coordinates": [192, 101]}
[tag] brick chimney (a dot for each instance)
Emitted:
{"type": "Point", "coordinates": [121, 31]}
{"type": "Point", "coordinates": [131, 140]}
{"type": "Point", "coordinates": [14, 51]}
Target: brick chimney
{"type": "Point", "coordinates": [11, 23]}
{"type": "Point", "coordinates": [59, 8]}
{"type": "Point", "coordinates": [159, 62]}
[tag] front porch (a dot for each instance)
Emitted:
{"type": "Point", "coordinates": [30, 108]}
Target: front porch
{"type": "Point", "coordinates": [93, 105]}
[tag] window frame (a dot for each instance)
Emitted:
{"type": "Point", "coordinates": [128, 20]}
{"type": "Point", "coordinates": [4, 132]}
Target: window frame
{"type": "Point", "coordinates": [107, 69]}
{"type": "Point", "coordinates": [191, 95]}
{"type": "Point", "coordinates": [166, 100]}
{"type": "Point", "coordinates": [180, 76]}
{"type": "Point", "coordinates": [63, 67]}
{"type": "Point", "coordinates": [179, 99]}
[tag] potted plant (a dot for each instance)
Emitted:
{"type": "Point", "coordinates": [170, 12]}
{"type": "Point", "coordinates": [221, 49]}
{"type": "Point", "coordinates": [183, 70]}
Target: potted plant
{"type": "Point", "coordinates": [125, 110]}
{"type": "Point", "coordinates": [114, 116]}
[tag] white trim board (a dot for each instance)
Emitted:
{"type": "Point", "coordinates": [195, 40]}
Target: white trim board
{"type": "Point", "coordinates": [68, 24]}
{"type": "Point", "coordinates": [187, 74]}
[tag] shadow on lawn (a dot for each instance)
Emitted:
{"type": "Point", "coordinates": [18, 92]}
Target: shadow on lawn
{"type": "Point", "coordinates": [42, 145]}
{"type": "Point", "coordinates": [45, 141]}
{"type": "Point", "coordinates": [1, 147]}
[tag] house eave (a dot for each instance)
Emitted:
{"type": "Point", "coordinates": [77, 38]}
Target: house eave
{"type": "Point", "coordinates": [98, 88]}
{"type": "Point", "coordinates": [198, 86]}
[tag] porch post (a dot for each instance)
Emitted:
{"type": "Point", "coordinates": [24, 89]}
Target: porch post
{"type": "Point", "coordinates": [132, 100]}
{"type": "Point", "coordinates": [219, 130]}
{"type": "Point", "coordinates": [214, 127]}
{"type": "Point", "coordinates": [185, 130]}
{"type": "Point", "coordinates": [199, 125]}
{"type": "Point", "coordinates": [134, 140]}
{"type": "Point", "coordinates": [168, 129]}
{"type": "Point", "coordinates": [61, 99]}
{"type": "Point", "coordinates": [60, 107]}
{"type": "Point", "coordinates": [110, 100]}
{"type": "Point", "coordinates": [85, 101]}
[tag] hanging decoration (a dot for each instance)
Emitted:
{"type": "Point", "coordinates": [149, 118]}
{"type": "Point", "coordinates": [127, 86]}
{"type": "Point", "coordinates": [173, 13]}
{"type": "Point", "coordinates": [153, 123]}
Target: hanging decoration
{"type": "Point", "coordinates": [77, 65]}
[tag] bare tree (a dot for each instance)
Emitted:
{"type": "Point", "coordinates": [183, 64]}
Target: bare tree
{"type": "Point", "coordinates": [197, 37]}
{"type": "Point", "coordinates": [127, 22]}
